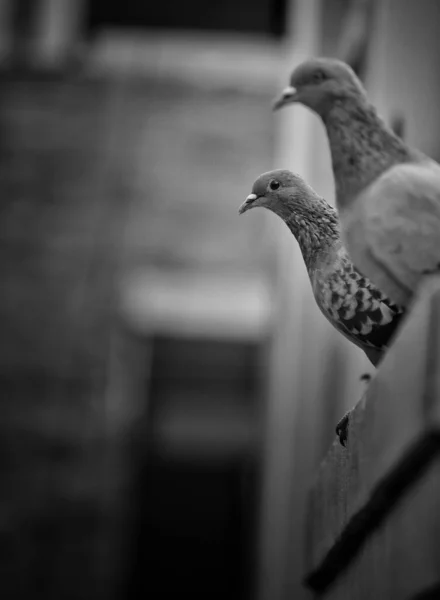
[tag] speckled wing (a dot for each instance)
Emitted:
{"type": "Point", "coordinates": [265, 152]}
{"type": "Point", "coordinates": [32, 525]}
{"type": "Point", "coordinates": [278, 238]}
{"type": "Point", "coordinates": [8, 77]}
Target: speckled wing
{"type": "Point", "coordinates": [356, 307]}
{"type": "Point", "coordinates": [400, 216]}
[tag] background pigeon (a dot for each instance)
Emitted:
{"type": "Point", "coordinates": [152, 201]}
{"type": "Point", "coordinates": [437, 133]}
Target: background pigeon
{"type": "Point", "coordinates": [387, 193]}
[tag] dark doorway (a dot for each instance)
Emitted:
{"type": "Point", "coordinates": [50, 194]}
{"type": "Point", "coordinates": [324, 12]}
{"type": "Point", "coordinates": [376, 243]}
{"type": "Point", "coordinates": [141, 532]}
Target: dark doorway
{"type": "Point", "coordinates": [192, 535]}
{"type": "Point", "coordinates": [195, 509]}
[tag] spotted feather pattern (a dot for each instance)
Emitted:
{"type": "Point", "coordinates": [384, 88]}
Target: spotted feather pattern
{"type": "Point", "coordinates": [352, 303]}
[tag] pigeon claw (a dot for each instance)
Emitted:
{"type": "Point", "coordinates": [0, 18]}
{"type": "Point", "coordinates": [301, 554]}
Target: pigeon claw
{"type": "Point", "coordinates": [342, 429]}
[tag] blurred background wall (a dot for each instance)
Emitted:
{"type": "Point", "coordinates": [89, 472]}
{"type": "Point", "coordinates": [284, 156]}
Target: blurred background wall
{"type": "Point", "coordinates": [168, 385]}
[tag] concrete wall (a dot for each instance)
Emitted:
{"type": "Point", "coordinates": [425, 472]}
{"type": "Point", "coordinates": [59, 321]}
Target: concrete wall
{"type": "Point", "coordinates": [403, 74]}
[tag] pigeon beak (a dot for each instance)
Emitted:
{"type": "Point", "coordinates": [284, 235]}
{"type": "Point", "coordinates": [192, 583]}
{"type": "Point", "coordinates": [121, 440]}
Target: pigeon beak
{"type": "Point", "coordinates": [247, 204]}
{"type": "Point", "coordinates": [289, 95]}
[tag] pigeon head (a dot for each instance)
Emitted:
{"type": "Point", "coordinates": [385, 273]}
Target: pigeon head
{"type": "Point", "coordinates": [318, 83]}
{"type": "Point", "coordinates": [279, 191]}
{"type": "Point", "coordinates": [310, 218]}
{"type": "Point", "coordinates": [291, 198]}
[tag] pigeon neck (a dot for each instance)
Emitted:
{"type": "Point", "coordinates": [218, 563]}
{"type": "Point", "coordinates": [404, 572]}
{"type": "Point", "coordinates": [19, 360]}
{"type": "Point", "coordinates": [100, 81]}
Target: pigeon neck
{"type": "Point", "coordinates": [314, 234]}
{"type": "Point", "coordinates": [361, 145]}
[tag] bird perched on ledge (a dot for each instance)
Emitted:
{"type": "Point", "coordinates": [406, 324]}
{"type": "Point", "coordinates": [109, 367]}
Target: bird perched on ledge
{"type": "Point", "coordinates": [349, 301]}
{"type": "Point", "coordinates": [387, 194]}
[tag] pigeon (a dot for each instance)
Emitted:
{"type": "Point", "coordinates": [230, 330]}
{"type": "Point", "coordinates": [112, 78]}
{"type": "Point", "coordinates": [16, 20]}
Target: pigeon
{"type": "Point", "coordinates": [387, 193]}
{"type": "Point", "coordinates": [349, 301]}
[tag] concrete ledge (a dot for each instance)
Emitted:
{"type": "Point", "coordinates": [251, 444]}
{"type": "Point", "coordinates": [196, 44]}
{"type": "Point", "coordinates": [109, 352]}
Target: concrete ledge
{"type": "Point", "coordinates": [196, 304]}
{"type": "Point", "coordinates": [209, 59]}
{"type": "Point", "coordinates": [373, 492]}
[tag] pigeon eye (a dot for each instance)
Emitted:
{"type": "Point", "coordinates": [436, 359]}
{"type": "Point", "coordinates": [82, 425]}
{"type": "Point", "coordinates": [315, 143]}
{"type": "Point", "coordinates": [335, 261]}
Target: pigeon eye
{"type": "Point", "coordinates": [274, 184]}
{"type": "Point", "coordinates": [318, 76]}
